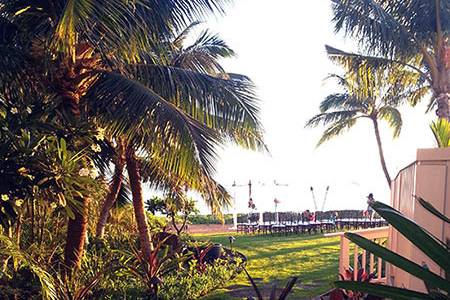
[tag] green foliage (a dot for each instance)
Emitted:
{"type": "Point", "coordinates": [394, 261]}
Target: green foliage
{"type": "Point", "coordinates": [156, 223]}
{"type": "Point", "coordinates": [21, 260]}
{"type": "Point", "coordinates": [394, 34]}
{"type": "Point", "coordinates": [155, 204]}
{"type": "Point", "coordinates": [171, 204]}
{"type": "Point", "coordinates": [438, 287]}
{"type": "Point", "coordinates": [76, 77]}
{"type": "Point", "coordinates": [369, 94]}
{"type": "Point", "coordinates": [176, 206]}
{"type": "Point", "coordinates": [191, 284]}
{"type": "Point", "coordinates": [40, 159]}
{"type": "Point", "coordinates": [441, 132]}
{"type": "Point", "coordinates": [284, 293]}
{"type": "Point", "coordinates": [98, 276]}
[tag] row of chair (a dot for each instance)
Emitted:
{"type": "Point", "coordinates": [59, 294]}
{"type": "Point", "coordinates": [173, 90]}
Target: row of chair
{"type": "Point", "coordinates": [307, 227]}
{"type": "Point", "coordinates": [285, 217]}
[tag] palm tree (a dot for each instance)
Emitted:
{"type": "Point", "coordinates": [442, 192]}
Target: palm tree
{"type": "Point", "coordinates": [95, 60]}
{"type": "Point", "coordinates": [196, 65]}
{"type": "Point", "coordinates": [413, 34]}
{"type": "Point", "coordinates": [115, 187]}
{"type": "Point", "coordinates": [369, 95]}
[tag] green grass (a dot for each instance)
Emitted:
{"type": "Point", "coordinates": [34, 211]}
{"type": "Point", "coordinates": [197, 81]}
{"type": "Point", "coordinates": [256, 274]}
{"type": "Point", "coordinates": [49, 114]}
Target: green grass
{"type": "Point", "coordinates": [314, 259]}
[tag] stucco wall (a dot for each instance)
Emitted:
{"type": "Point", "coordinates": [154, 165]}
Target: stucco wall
{"type": "Point", "coordinates": [429, 178]}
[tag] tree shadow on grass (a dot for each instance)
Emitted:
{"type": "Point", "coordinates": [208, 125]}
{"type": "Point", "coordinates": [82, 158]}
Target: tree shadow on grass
{"type": "Point", "coordinates": [258, 254]}
{"type": "Point", "coordinates": [309, 285]}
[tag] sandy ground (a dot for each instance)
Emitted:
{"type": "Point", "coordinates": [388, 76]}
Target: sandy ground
{"type": "Point", "coordinates": [209, 228]}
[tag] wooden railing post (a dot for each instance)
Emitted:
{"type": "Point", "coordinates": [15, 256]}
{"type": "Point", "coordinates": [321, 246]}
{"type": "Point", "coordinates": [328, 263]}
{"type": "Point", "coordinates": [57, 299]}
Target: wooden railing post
{"type": "Point", "coordinates": [355, 263]}
{"type": "Point", "coordinates": [344, 255]}
{"type": "Point", "coordinates": [344, 259]}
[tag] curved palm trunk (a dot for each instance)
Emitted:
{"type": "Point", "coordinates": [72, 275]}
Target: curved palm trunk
{"type": "Point", "coordinates": [138, 202]}
{"type": "Point", "coordinates": [380, 151]}
{"type": "Point", "coordinates": [76, 235]}
{"type": "Point", "coordinates": [114, 189]}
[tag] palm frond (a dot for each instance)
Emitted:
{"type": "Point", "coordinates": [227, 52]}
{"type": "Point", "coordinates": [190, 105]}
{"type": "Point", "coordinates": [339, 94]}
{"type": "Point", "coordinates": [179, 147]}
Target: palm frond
{"type": "Point", "coordinates": [66, 35]}
{"type": "Point", "coordinates": [342, 101]}
{"type": "Point", "coordinates": [134, 111]}
{"type": "Point", "coordinates": [107, 24]}
{"type": "Point", "coordinates": [124, 196]}
{"type": "Point", "coordinates": [375, 25]}
{"type": "Point", "coordinates": [159, 175]}
{"type": "Point", "coordinates": [354, 62]}
{"type": "Point", "coordinates": [214, 101]}
{"type": "Point", "coordinates": [393, 117]}
{"type": "Point", "coordinates": [336, 129]}
{"type": "Point", "coordinates": [203, 55]}
{"type": "Point", "coordinates": [417, 94]}
{"type": "Point", "coordinates": [21, 258]}
{"type": "Point", "coordinates": [180, 38]}
{"type": "Point", "coordinates": [332, 117]}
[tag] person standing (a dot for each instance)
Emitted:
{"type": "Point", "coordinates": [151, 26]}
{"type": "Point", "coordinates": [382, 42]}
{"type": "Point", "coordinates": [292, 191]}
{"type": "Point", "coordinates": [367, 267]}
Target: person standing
{"type": "Point", "coordinates": [370, 212]}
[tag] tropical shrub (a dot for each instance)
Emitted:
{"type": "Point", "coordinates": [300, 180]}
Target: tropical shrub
{"type": "Point", "coordinates": [22, 276]}
{"type": "Point", "coordinates": [437, 286]}
{"type": "Point", "coordinates": [190, 283]}
{"type": "Point", "coordinates": [441, 132]}
{"type": "Point", "coordinates": [176, 206]}
{"type": "Point", "coordinates": [283, 295]}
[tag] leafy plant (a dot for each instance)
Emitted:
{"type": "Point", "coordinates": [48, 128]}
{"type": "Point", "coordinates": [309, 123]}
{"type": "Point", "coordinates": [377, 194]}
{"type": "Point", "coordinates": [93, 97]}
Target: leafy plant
{"type": "Point", "coordinates": [441, 132]}
{"type": "Point", "coordinates": [100, 268]}
{"type": "Point", "coordinates": [284, 293]}
{"type": "Point", "coordinates": [151, 271]}
{"type": "Point", "coordinates": [21, 259]}
{"type": "Point", "coordinates": [362, 276]}
{"type": "Point", "coordinates": [188, 283]}
{"type": "Point", "coordinates": [201, 255]}
{"type": "Point", "coordinates": [438, 287]}
{"type": "Point", "coordinates": [176, 206]}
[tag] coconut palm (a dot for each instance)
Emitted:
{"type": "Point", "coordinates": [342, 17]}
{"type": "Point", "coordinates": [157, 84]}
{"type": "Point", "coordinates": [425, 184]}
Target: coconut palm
{"type": "Point", "coordinates": [372, 95]}
{"type": "Point", "coordinates": [414, 34]}
{"type": "Point", "coordinates": [196, 65]}
{"type": "Point", "coordinates": [95, 60]}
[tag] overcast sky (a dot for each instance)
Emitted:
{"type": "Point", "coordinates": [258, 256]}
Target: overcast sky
{"type": "Point", "coordinates": [280, 45]}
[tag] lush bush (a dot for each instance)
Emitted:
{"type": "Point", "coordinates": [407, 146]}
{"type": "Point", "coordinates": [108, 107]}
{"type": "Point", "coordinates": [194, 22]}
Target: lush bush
{"type": "Point", "coordinates": [191, 283]}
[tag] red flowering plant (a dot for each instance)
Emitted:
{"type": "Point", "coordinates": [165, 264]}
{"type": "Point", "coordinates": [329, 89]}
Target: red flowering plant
{"type": "Point", "coordinates": [361, 276]}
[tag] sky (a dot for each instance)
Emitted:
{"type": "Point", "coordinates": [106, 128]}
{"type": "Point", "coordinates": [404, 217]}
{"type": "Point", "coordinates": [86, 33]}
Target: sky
{"type": "Point", "coordinates": [280, 45]}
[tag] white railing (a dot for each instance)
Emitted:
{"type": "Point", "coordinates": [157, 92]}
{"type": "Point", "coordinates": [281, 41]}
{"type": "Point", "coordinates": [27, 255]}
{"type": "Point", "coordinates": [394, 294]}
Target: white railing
{"type": "Point", "coordinates": [375, 234]}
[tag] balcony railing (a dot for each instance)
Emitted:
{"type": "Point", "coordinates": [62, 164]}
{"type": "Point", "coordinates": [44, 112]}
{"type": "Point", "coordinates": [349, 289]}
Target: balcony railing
{"type": "Point", "coordinates": [361, 258]}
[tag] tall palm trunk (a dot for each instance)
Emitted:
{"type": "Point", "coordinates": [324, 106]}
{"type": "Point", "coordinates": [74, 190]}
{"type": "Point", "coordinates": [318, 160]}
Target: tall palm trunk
{"type": "Point", "coordinates": [442, 88]}
{"type": "Point", "coordinates": [76, 235]}
{"type": "Point", "coordinates": [138, 202]}
{"type": "Point", "coordinates": [114, 189]}
{"type": "Point", "coordinates": [441, 84]}
{"type": "Point", "coordinates": [380, 151]}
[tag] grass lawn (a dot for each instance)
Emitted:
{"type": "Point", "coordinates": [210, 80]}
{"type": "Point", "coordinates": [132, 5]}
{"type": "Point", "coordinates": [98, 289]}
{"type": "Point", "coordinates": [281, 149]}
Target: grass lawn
{"type": "Point", "coordinates": [314, 259]}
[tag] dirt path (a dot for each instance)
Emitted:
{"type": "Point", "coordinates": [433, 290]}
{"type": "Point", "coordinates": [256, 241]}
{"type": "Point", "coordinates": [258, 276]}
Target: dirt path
{"type": "Point", "coordinates": [209, 228]}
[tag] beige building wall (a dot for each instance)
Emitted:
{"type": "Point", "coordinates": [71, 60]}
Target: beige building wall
{"type": "Point", "coordinates": [429, 178]}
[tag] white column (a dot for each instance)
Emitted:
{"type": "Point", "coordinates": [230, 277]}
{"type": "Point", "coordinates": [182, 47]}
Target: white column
{"type": "Point", "coordinates": [234, 209]}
